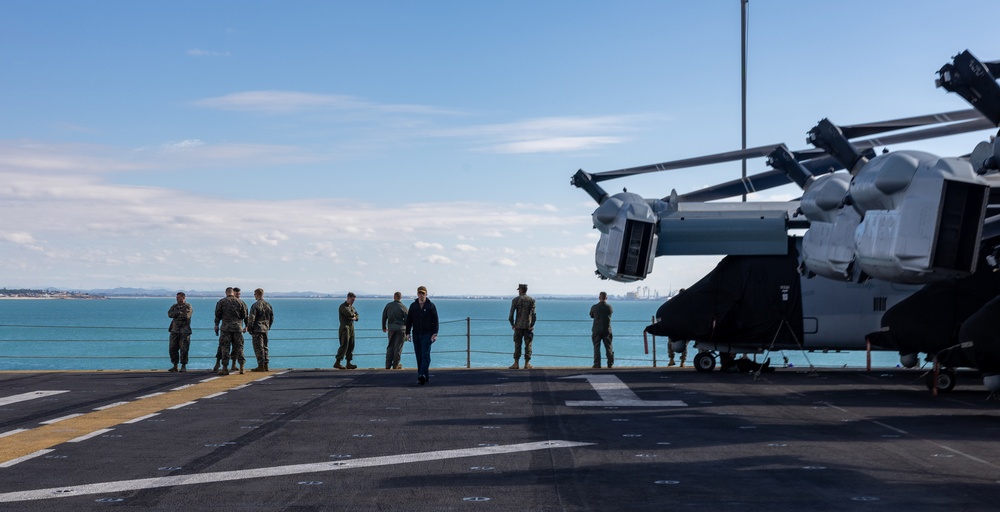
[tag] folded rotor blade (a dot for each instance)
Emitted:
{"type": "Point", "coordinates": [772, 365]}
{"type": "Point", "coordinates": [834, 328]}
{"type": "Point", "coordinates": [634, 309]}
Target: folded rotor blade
{"type": "Point", "coordinates": [730, 156]}
{"type": "Point", "coordinates": [758, 182]}
{"type": "Point", "coordinates": [980, 123]}
{"type": "Point", "coordinates": [755, 183]}
{"type": "Point", "coordinates": [866, 129]}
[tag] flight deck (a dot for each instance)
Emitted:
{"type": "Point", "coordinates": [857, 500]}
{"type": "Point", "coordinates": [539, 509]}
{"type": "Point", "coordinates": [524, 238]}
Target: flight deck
{"type": "Point", "coordinates": [546, 439]}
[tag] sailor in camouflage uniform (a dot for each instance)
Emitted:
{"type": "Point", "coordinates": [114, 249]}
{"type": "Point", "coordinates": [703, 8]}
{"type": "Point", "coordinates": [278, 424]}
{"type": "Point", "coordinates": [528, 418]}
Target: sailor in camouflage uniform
{"type": "Point", "coordinates": [230, 312]}
{"type": "Point", "coordinates": [258, 323]}
{"type": "Point", "coordinates": [180, 332]}
{"type": "Point", "coordinates": [237, 353]}
{"type": "Point", "coordinates": [522, 320]}
{"type": "Point", "coordinates": [348, 315]}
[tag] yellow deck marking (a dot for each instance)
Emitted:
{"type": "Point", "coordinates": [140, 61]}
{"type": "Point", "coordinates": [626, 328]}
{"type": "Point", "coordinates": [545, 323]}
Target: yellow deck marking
{"type": "Point", "coordinates": [20, 444]}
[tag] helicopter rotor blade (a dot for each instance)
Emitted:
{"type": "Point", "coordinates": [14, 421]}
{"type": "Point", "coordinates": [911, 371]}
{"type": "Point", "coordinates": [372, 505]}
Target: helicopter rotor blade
{"type": "Point", "coordinates": [825, 164]}
{"type": "Point", "coordinates": [973, 120]}
{"type": "Point", "coordinates": [972, 125]}
{"type": "Point", "coordinates": [717, 158]}
{"type": "Point", "coordinates": [758, 182]}
{"type": "Point", "coordinates": [865, 129]}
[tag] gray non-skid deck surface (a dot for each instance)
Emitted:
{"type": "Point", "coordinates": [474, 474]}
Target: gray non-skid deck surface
{"type": "Point", "coordinates": [475, 440]}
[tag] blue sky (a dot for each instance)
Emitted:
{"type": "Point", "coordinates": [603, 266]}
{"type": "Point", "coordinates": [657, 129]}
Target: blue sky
{"type": "Point", "coordinates": [376, 146]}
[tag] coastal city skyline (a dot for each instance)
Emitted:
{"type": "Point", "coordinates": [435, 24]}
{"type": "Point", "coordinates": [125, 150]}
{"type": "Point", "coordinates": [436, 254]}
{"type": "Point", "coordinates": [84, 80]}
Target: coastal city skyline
{"type": "Point", "coordinates": [378, 146]}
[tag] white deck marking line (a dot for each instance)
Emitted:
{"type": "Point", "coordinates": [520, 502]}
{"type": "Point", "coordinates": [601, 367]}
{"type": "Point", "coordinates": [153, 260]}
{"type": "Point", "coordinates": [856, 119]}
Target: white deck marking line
{"type": "Point", "coordinates": [64, 418]}
{"type": "Point", "coordinates": [151, 395]}
{"type": "Point", "coordinates": [12, 432]}
{"type": "Point", "coordinates": [92, 434]}
{"type": "Point", "coordinates": [178, 406]}
{"type": "Point", "coordinates": [7, 400]}
{"type": "Point", "coordinates": [11, 462]}
{"type": "Point", "coordinates": [140, 418]}
{"type": "Point", "coordinates": [213, 395]}
{"type": "Point", "coordinates": [615, 393]}
{"type": "Point", "coordinates": [900, 431]}
{"type": "Point", "coordinates": [295, 469]}
{"type": "Point", "coordinates": [103, 407]}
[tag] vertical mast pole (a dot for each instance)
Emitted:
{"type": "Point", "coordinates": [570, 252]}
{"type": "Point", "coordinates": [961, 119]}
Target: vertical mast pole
{"type": "Point", "coordinates": [743, 89]}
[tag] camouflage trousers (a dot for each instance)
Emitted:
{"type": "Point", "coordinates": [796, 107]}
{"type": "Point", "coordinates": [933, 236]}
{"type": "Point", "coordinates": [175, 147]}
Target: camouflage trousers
{"type": "Point", "coordinates": [525, 335]}
{"type": "Point", "coordinates": [230, 347]}
{"type": "Point", "coordinates": [260, 347]}
{"type": "Point", "coordinates": [179, 345]}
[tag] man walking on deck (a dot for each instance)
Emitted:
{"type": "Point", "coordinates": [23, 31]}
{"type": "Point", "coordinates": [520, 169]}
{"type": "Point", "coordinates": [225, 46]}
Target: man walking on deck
{"type": "Point", "coordinates": [522, 320]}
{"type": "Point", "coordinates": [230, 313]}
{"type": "Point", "coordinates": [394, 323]}
{"type": "Point", "coordinates": [180, 332]}
{"type": "Point", "coordinates": [422, 322]}
{"type": "Point", "coordinates": [601, 331]}
{"type": "Point", "coordinates": [258, 323]}
{"type": "Point", "coordinates": [348, 316]}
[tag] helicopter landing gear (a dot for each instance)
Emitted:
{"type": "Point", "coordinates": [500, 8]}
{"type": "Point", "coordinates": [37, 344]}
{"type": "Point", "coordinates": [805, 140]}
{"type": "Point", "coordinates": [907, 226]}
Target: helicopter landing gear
{"type": "Point", "coordinates": [704, 362]}
{"type": "Point", "coordinates": [945, 380]}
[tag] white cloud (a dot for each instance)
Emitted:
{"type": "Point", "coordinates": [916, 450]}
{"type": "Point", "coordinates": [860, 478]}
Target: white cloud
{"type": "Point", "coordinates": [428, 245]}
{"type": "Point", "coordinates": [22, 239]}
{"type": "Point", "coordinates": [465, 248]}
{"type": "Point", "coordinates": [285, 102]}
{"type": "Point", "coordinates": [438, 260]}
{"type": "Point", "coordinates": [504, 262]}
{"type": "Point", "coordinates": [555, 144]}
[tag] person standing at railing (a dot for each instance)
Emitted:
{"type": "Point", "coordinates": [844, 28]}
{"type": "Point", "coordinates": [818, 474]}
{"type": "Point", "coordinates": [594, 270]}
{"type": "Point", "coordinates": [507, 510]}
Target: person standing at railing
{"type": "Point", "coordinates": [237, 354]}
{"type": "Point", "coordinates": [522, 320]}
{"type": "Point", "coordinates": [348, 316]}
{"type": "Point", "coordinates": [180, 332]}
{"type": "Point", "coordinates": [258, 323]}
{"type": "Point", "coordinates": [601, 331]}
{"type": "Point", "coordinates": [422, 322]}
{"type": "Point", "coordinates": [394, 323]}
{"type": "Point", "coordinates": [230, 312]}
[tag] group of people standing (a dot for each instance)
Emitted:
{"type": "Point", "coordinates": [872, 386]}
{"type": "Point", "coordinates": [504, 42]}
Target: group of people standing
{"type": "Point", "coordinates": [417, 323]}
{"type": "Point", "coordinates": [232, 319]}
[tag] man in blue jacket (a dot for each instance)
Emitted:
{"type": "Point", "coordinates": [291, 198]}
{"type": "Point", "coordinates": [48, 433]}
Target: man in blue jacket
{"type": "Point", "coordinates": [422, 321]}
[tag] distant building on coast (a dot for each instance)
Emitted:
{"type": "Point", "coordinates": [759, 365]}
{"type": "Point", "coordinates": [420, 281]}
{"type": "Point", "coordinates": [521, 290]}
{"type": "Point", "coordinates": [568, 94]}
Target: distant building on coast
{"type": "Point", "coordinates": [642, 293]}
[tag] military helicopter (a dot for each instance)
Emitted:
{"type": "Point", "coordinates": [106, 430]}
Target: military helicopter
{"type": "Point", "coordinates": [878, 228]}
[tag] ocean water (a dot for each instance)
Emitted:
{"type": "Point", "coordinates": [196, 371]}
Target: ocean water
{"type": "Point", "coordinates": [131, 334]}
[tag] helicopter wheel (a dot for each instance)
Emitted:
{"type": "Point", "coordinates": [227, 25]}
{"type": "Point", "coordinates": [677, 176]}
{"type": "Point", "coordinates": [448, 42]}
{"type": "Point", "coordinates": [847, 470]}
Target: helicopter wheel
{"type": "Point", "coordinates": [945, 380]}
{"type": "Point", "coordinates": [704, 362]}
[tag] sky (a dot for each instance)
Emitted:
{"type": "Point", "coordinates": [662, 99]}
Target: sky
{"type": "Point", "coordinates": [376, 146]}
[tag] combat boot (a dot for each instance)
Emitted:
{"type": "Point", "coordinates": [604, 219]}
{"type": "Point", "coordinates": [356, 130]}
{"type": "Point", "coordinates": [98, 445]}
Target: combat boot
{"type": "Point", "coordinates": [233, 369]}
{"type": "Point", "coordinates": [671, 363]}
{"type": "Point", "coordinates": [265, 368]}
{"type": "Point", "coordinates": [338, 366]}
{"type": "Point", "coordinates": [172, 368]}
{"type": "Point", "coordinates": [682, 361]}
{"type": "Point", "coordinates": [215, 368]}
{"type": "Point", "coordinates": [184, 368]}
{"type": "Point", "coordinates": [351, 366]}
{"type": "Point", "coordinates": [223, 371]}
{"type": "Point", "coordinates": [514, 366]}
{"type": "Point", "coordinates": [241, 368]}
{"type": "Point", "coordinates": [527, 365]}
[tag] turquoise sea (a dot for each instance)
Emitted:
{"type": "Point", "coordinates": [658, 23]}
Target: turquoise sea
{"type": "Point", "coordinates": [131, 334]}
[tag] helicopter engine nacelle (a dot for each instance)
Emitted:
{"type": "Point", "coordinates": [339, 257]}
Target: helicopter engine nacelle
{"type": "Point", "coordinates": [922, 217]}
{"type": "Point", "coordinates": [828, 245]}
{"type": "Point", "coordinates": [627, 246]}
